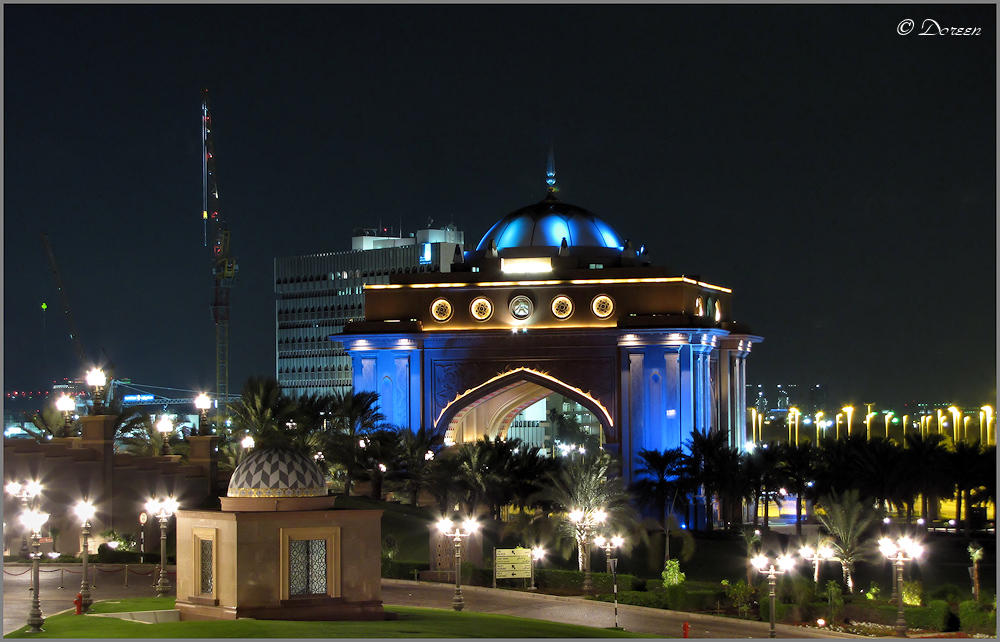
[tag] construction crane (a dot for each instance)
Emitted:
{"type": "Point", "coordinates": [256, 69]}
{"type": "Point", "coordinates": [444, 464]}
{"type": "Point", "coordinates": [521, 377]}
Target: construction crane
{"type": "Point", "coordinates": [224, 265]}
{"type": "Point", "coordinates": [77, 344]}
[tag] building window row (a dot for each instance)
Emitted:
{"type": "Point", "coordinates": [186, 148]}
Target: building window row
{"type": "Point", "coordinates": [522, 307]}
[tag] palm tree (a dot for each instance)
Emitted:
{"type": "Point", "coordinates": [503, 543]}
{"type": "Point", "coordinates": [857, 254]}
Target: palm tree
{"type": "Point", "coordinates": [267, 415]}
{"type": "Point", "coordinates": [797, 466]}
{"type": "Point", "coordinates": [659, 485]}
{"type": "Point", "coordinates": [48, 423]}
{"type": "Point", "coordinates": [353, 414]}
{"type": "Point", "coordinates": [380, 458]}
{"type": "Point", "coordinates": [965, 470]}
{"type": "Point", "coordinates": [928, 455]}
{"type": "Point", "coordinates": [848, 519]}
{"type": "Point", "coordinates": [136, 434]}
{"type": "Point", "coordinates": [582, 483]}
{"type": "Point", "coordinates": [418, 452]}
{"type": "Point", "coordinates": [702, 467]}
{"type": "Point", "coordinates": [764, 477]}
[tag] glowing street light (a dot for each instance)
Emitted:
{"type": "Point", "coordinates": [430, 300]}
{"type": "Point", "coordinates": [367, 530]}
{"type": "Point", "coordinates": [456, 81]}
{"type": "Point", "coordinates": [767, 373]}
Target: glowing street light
{"type": "Point", "coordinates": [66, 406]}
{"type": "Point", "coordinates": [988, 412]}
{"type": "Point", "coordinates": [888, 418]}
{"type": "Point", "coordinates": [202, 402]}
{"type": "Point", "coordinates": [33, 520]}
{"type": "Point", "coordinates": [608, 545]}
{"type": "Point", "coordinates": [85, 510]}
{"type": "Point", "coordinates": [764, 565]}
{"type": "Point", "coordinates": [818, 416]}
{"type": "Point", "coordinates": [902, 550]}
{"type": "Point", "coordinates": [956, 415]}
{"type": "Point", "coordinates": [537, 555]}
{"type": "Point", "coordinates": [164, 426]}
{"type": "Point", "coordinates": [585, 521]}
{"type": "Point", "coordinates": [868, 424]}
{"type": "Point", "coordinates": [839, 415]}
{"type": "Point", "coordinates": [96, 379]}
{"type": "Point", "coordinates": [816, 556]}
{"type": "Point", "coordinates": [465, 529]}
{"type": "Point", "coordinates": [850, 413]}
{"type": "Point", "coordinates": [162, 510]}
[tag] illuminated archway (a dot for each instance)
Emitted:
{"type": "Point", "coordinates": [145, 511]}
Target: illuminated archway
{"type": "Point", "coordinates": [507, 394]}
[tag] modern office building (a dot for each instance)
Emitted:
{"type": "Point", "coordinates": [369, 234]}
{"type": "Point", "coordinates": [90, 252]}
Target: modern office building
{"type": "Point", "coordinates": [318, 293]}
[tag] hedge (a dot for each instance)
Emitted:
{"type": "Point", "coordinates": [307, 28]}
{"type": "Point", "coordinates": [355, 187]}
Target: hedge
{"type": "Point", "coordinates": [657, 600]}
{"type": "Point", "coordinates": [397, 570]}
{"type": "Point", "coordinates": [934, 616]}
{"type": "Point", "coordinates": [553, 578]}
{"type": "Point", "coordinates": [974, 618]}
{"type": "Point", "coordinates": [781, 611]}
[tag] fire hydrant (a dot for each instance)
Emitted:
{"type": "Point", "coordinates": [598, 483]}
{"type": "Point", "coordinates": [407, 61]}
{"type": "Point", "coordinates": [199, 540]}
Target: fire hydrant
{"type": "Point", "coordinates": [687, 628]}
{"type": "Point", "coordinates": [79, 603]}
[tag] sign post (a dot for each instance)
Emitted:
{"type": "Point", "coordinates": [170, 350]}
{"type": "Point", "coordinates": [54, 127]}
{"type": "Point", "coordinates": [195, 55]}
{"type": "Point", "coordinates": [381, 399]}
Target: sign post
{"type": "Point", "coordinates": [142, 536]}
{"type": "Point", "coordinates": [511, 563]}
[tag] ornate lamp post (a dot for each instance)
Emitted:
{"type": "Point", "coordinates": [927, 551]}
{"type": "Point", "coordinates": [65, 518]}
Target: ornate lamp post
{"type": "Point", "coordinates": [33, 520]}
{"type": "Point", "coordinates": [465, 529]}
{"type": "Point", "coordinates": [85, 510]}
{"type": "Point", "coordinates": [28, 493]}
{"type": "Point", "coordinates": [816, 556]}
{"type": "Point", "coordinates": [764, 565]}
{"type": "Point", "coordinates": [202, 402]}
{"type": "Point", "coordinates": [608, 545]}
{"type": "Point", "coordinates": [164, 426]}
{"type": "Point", "coordinates": [162, 510]}
{"type": "Point", "coordinates": [585, 520]}
{"type": "Point", "coordinates": [96, 379]}
{"type": "Point", "coordinates": [902, 550]}
{"type": "Point", "coordinates": [66, 406]}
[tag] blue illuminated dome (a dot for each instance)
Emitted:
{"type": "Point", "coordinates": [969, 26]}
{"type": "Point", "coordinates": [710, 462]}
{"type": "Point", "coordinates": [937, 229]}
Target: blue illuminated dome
{"type": "Point", "coordinates": [546, 224]}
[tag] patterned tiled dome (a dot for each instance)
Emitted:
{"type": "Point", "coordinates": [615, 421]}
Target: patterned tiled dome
{"type": "Point", "coordinates": [276, 472]}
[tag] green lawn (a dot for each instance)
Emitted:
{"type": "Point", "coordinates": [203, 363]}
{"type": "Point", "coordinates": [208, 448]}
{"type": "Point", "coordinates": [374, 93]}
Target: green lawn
{"type": "Point", "coordinates": [412, 623]}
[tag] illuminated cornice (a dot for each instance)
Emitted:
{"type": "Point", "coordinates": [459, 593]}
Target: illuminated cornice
{"type": "Point", "coordinates": [535, 283]}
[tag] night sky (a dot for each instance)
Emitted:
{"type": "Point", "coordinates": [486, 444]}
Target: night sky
{"type": "Point", "coordinates": [838, 176]}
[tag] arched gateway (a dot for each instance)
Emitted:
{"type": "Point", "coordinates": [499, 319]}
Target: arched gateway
{"type": "Point", "coordinates": [552, 300]}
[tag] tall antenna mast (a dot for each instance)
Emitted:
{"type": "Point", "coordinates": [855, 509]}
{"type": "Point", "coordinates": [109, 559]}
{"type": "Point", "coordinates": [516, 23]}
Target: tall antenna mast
{"type": "Point", "coordinates": [224, 265]}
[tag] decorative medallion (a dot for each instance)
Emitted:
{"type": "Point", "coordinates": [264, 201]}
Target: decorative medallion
{"type": "Point", "coordinates": [603, 306]}
{"type": "Point", "coordinates": [441, 310]}
{"type": "Point", "coordinates": [482, 309]}
{"type": "Point", "coordinates": [562, 307]}
{"type": "Point", "coordinates": [521, 307]}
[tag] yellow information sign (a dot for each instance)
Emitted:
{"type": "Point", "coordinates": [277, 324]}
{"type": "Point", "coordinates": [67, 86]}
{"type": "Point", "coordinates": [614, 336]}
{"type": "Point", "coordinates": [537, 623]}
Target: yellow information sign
{"type": "Point", "coordinates": [512, 563]}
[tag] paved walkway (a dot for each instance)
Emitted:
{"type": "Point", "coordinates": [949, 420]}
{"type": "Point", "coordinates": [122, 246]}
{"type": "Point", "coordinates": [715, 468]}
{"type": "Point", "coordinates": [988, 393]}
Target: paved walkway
{"type": "Point", "coordinates": [111, 580]}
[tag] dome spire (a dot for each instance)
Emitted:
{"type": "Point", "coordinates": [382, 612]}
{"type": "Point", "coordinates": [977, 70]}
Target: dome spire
{"type": "Point", "coordinates": [550, 170]}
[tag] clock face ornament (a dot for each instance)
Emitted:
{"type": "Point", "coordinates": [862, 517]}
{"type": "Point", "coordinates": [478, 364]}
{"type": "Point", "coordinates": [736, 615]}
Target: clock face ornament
{"type": "Point", "coordinates": [521, 307]}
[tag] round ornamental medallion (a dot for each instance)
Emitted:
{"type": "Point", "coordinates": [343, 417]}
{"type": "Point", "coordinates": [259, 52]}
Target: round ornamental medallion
{"type": "Point", "coordinates": [562, 307]}
{"type": "Point", "coordinates": [602, 306]}
{"type": "Point", "coordinates": [441, 310]}
{"type": "Point", "coordinates": [521, 307]}
{"type": "Point", "coordinates": [482, 309]}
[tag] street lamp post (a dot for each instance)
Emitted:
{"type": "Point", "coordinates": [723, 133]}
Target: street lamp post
{"type": "Point", "coordinates": [33, 520]}
{"type": "Point", "coordinates": [839, 415]}
{"type": "Point", "coordinates": [850, 413]}
{"type": "Point", "coordinates": [202, 402]}
{"type": "Point", "coordinates": [164, 426]}
{"type": "Point", "coordinates": [888, 419]}
{"type": "Point", "coordinates": [85, 510]}
{"type": "Point", "coordinates": [465, 529]}
{"type": "Point", "coordinates": [162, 510]}
{"type": "Point", "coordinates": [585, 520]}
{"type": "Point", "coordinates": [816, 556]}
{"type": "Point", "coordinates": [96, 379]}
{"type": "Point", "coordinates": [988, 411]}
{"type": "Point", "coordinates": [902, 550]}
{"type": "Point", "coordinates": [608, 545]}
{"type": "Point", "coordinates": [819, 415]}
{"type": "Point", "coordinates": [956, 415]}
{"type": "Point", "coordinates": [764, 565]}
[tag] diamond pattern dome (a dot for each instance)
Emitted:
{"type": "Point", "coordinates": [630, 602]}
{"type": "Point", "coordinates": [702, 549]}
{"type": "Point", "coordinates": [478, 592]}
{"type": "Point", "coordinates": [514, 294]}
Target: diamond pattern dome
{"type": "Point", "coordinates": [276, 472]}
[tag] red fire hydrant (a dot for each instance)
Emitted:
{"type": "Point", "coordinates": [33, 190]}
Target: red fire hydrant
{"type": "Point", "coordinates": [687, 628]}
{"type": "Point", "coordinates": [79, 603]}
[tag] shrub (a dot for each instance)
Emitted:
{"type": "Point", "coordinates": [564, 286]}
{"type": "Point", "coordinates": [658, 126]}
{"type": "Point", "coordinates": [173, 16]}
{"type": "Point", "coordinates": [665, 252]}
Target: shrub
{"type": "Point", "coordinates": [873, 592]}
{"type": "Point", "coordinates": [834, 598]}
{"type": "Point", "coordinates": [657, 600]}
{"type": "Point", "coordinates": [676, 596]}
{"type": "Point", "coordinates": [108, 555]}
{"type": "Point", "coordinates": [781, 611]}
{"type": "Point", "coordinates": [913, 593]}
{"type": "Point", "coordinates": [399, 570]}
{"type": "Point", "coordinates": [933, 616]}
{"type": "Point", "coordinates": [742, 595]}
{"type": "Point", "coordinates": [974, 618]}
{"type": "Point", "coordinates": [947, 592]}
{"type": "Point", "coordinates": [672, 574]}
{"type": "Point", "coordinates": [652, 585]}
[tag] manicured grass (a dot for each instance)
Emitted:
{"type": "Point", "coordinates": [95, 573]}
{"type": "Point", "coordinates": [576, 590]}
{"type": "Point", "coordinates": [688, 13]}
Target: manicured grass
{"type": "Point", "coordinates": [412, 623]}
